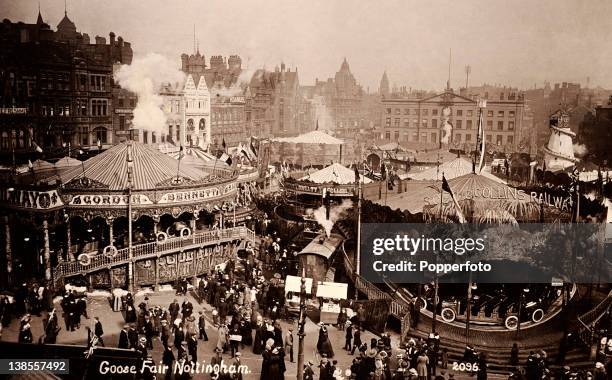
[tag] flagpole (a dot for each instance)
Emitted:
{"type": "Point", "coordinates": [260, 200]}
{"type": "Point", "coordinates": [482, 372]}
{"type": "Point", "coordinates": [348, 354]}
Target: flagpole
{"type": "Point", "coordinates": [358, 254]}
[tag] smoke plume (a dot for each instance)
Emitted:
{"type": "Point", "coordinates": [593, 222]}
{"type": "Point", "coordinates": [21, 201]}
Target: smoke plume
{"type": "Point", "coordinates": [335, 213]}
{"type": "Point", "coordinates": [144, 77]}
{"type": "Point", "coordinates": [580, 150]}
{"type": "Point", "coordinates": [322, 114]}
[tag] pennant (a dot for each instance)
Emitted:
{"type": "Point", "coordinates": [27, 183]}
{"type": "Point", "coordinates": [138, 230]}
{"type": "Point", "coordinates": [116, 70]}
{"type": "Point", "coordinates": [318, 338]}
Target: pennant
{"type": "Point", "coordinates": [226, 158]}
{"type": "Point", "coordinates": [181, 153]}
{"type": "Point", "coordinates": [223, 144]}
{"type": "Point", "coordinates": [36, 147]}
{"type": "Point", "coordinates": [446, 187]}
{"type": "Point", "coordinates": [30, 165]}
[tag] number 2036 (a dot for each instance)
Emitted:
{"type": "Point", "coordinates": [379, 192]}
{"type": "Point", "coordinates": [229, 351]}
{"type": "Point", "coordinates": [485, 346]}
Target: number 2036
{"type": "Point", "coordinates": [469, 367]}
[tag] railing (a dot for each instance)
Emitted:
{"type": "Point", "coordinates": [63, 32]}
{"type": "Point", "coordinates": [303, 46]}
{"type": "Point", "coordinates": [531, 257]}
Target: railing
{"type": "Point", "coordinates": [588, 321]}
{"type": "Point", "coordinates": [397, 307]}
{"type": "Point", "coordinates": [147, 250]}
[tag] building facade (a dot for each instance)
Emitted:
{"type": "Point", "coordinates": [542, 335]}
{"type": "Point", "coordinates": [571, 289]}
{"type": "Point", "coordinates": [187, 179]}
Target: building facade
{"type": "Point", "coordinates": [275, 103]}
{"type": "Point", "coordinates": [188, 112]}
{"type": "Point", "coordinates": [56, 88]}
{"type": "Point", "coordinates": [419, 121]}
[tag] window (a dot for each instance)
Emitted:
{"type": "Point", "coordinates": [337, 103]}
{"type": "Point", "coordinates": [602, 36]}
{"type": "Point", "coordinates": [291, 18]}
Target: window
{"type": "Point", "coordinates": [489, 124]}
{"type": "Point", "coordinates": [4, 142]}
{"type": "Point", "coordinates": [178, 132]}
{"type": "Point", "coordinates": [499, 139]}
{"type": "Point", "coordinates": [510, 113]}
{"type": "Point", "coordinates": [389, 110]}
{"type": "Point", "coordinates": [510, 139]}
{"type": "Point", "coordinates": [145, 137]}
{"type": "Point", "coordinates": [397, 122]}
{"type": "Point", "coordinates": [398, 111]}
{"type": "Point", "coordinates": [82, 82]}
{"type": "Point", "coordinates": [97, 82]}
{"type": "Point", "coordinates": [500, 125]}
{"type": "Point", "coordinates": [407, 123]}
{"type": "Point", "coordinates": [388, 122]}
{"type": "Point", "coordinates": [406, 111]}
{"type": "Point", "coordinates": [122, 123]}
{"type": "Point", "coordinates": [415, 111]}
{"type": "Point", "coordinates": [489, 113]}
{"type": "Point", "coordinates": [468, 124]}
{"type": "Point", "coordinates": [459, 112]}
{"type": "Point", "coordinates": [434, 137]}
{"type": "Point", "coordinates": [424, 112]}
{"type": "Point", "coordinates": [397, 134]}
{"type": "Point", "coordinates": [458, 123]}
{"type": "Point", "coordinates": [120, 102]}
{"type": "Point", "coordinates": [488, 137]}
{"type": "Point", "coordinates": [468, 137]}
{"type": "Point", "coordinates": [99, 107]}
{"type": "Point", "coordinates": [500, 113]}
{"type": "Point", "coordinates": [415, 136]}
{"type": "Point", "coordinates": [101, 135]}
{"type": "Point", "coordinates": [511, 125]}
{"type": "Point", "coordinates": [434, 112]}
{"type": "Point", "coordinates": [424, 123]}
{"type": "Point", "coordinates": [434, 123]}
{"type": "Point", "coordinates": [388, 135]}
{"type": "Point", "coordinates": [458, 137]}
{"type": "Point", "coordinates": [469, 113]}
{"type": "Point", "coordinates": [424, 137]}
{"type": "Point", "coordinates": [415, 123]}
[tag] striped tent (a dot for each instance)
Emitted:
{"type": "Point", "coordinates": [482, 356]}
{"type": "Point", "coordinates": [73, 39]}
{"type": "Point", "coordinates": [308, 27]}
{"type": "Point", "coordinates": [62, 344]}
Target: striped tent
{"type": "Point", "coordinates": [334, 173]}
{"type": "Point", "coordinates": [66, 162]}
{"type": "Point", "coordinates": [151, 168]}
{"type": "Point", "coordinates": [451, 169]}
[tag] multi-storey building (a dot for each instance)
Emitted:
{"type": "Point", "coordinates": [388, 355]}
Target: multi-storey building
{"type": "Point", "coordinates": [188, 113]}
{"type": "Point", "coordinates": [56, 87]}
{"type": "Point", "coordinates": [228, 120]}
{"type": "Point", "coordinates": [419, 120]}
{"type": "Point", "coordinates": [275, 104]}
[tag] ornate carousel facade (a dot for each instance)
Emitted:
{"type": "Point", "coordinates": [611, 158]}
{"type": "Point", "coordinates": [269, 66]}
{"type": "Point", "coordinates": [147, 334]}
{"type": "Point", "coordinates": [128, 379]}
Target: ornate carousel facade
{"type": "Point", "coordinates": [130, 216]}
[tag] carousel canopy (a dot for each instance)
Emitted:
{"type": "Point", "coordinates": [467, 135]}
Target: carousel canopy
{"type": "Point", "coordinates": [393, 146]}
{"type": "Point", "coordinates": [335, 173]}
{"type": "Point", "coordinates": [313, 137]}
{"type": "Point", "coordinates": [198, 158]}
{"type": "Point", "coordinates": [150, 168]}
{"type": "Point", "coordinates": [37, 166]}
{"type": "Point", "coordinates": [454, 168]}
{"type": "Point", "coordinates": [67, 162]}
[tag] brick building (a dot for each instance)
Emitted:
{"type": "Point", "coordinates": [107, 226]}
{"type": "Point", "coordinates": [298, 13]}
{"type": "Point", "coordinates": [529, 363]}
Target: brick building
{"type": "Point", "coordinates": [56, 87]}
{"type": "Point", "coordinates": [418, 120]}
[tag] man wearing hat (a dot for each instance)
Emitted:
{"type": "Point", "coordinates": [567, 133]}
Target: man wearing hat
{"type": "Point", "coordinates": [142, 347]}
{"type": "Point", "coordinates": [133, 337]}
{"type": "Point", "coordinates": [192, 346]}
{"type": "Point", "coordinates": [217, 358]}
{"type": "Point", "coordinates": [202, 326]}
{"type": "Point", "coordinates": [356, 339]}
{"type": "Point", "coordinates": [348, 336]}
{"type": "Point", "coordinates": [181, 349]}
{"type": "Point", "coordinates": [164, 332]}
{"type": "Point", "coordinates": [325, 368]}
{"type": "Point", "coordinates": [236, 363]}
{"type": "Point", "coordinates": [308, 371]}
{"type": "Point", "coordinates": [289, 343]}
{"type": "Point", "coordinates": [168, 359]}
{"type": "Point", "coordinates": [124, 341]}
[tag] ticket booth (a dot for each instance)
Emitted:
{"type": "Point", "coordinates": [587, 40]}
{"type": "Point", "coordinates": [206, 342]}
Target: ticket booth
{"type": "Point", "coordinates": [330, 294]}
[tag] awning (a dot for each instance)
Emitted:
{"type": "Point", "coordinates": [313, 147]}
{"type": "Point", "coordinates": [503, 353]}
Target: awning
{"type": "Point", "coordinates": [294, 284]}
{"type": "Point", "coordinates": [333, 290]}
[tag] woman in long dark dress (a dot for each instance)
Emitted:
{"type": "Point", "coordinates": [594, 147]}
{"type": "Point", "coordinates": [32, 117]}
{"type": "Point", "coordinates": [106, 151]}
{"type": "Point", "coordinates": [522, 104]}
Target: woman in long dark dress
{"type": "Point", "coordinates": [130, 311]}
{"type": "Point", "coordinates": [271, 366]}
{"type": "Point", "coordinates": [258, 344]}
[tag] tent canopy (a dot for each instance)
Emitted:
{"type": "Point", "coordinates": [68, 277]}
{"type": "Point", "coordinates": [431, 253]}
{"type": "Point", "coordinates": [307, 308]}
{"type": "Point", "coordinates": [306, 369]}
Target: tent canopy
{"type": "Point", "coordinates": [454, 168]}
{"type": "Point", "coordinates": [67, 162]}
{"type": "Point", "coordinates": [313, 137]}
{"type": "Point", "coordinates": [334, 173]}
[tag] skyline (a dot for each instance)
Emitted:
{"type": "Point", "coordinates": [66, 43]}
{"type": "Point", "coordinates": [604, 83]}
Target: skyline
{"type": "Point", "coordinates": [519, 44]}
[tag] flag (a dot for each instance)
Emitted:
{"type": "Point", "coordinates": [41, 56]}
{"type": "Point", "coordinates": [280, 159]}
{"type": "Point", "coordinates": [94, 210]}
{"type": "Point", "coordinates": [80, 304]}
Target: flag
{"type": "Point", "coordinates": [446, 187]}
{"type": "Point", "coordinates": [226, 158]}
{"type": "Point", "coordinates": [181, 153]}
{"type": "Point", "coordinates": [480, 138]}
{"type": "Point", "coordinates": [36, 147]}
{"type": "Point", "coordinates": [81, 152]}
{"type": "Point", "coordinates": [99, 144]}
{"type": "Point", "coordinates": [317, 126]}
{"type": "Point", "coordinates": [223, 144]}
{"type": "Point", "coordinates": [30, 165]}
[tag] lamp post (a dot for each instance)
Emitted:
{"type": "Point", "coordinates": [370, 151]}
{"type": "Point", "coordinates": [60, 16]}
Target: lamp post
{"type": "Point", "coordinates": [301, 325]}
{"type": "Point", "coordinates": [130, 168]}
{"type": "Point", "coordinates": [471, 287]}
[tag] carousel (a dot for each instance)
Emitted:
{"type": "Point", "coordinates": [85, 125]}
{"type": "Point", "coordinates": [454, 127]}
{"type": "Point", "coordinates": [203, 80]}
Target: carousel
{"type": "Point", "coordinates": [130, 216]}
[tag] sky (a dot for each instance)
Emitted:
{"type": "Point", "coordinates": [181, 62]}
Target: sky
{"type": "Point", "coordinates": [521, 43]}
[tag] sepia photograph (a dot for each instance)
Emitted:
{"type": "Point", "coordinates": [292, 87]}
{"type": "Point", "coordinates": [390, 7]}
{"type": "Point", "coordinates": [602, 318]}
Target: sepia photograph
{"type": "Point", "coordinates": [323, 189]}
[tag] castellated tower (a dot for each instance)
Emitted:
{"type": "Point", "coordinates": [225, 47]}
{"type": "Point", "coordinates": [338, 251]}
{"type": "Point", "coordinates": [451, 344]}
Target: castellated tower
{"type": "Point", "coordinates": [235, 63]}
{"type": "Point", "coordinates": [193, 64]}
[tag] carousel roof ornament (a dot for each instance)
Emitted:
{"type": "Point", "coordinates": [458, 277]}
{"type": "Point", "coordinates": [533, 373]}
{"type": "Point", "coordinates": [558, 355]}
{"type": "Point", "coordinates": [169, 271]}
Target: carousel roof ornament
{"type": "Point", "coordinates": [334, 173]}
{"type": "Point", "coordinates": [66, 162]}
{"type": "Point", "coordinates": [151, 169]}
